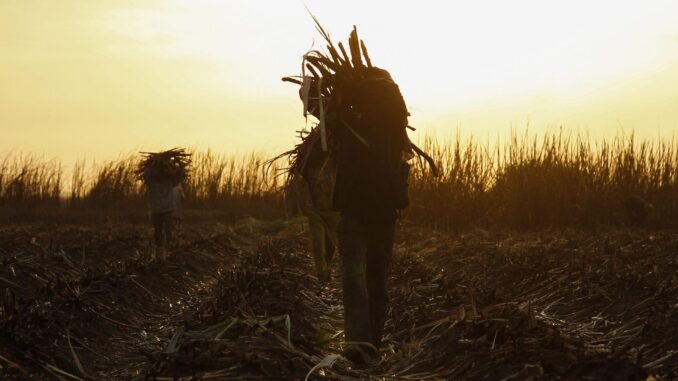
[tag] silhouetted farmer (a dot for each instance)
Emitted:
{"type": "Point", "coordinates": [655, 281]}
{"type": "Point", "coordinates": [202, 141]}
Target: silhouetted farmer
{"type": "Point", "coordinates": [161, 196]}
{"type": "Point", "coordinates": [319, 175]}
{"type": "Point", "coordinates": [162, 173]}
{"type": "Point", "coordinates": [371, 185]}
{"type": "Point", "coordinates": [360, 108]}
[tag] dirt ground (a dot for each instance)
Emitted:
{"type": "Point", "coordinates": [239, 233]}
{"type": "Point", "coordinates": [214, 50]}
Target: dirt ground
{"type": "Point", "coordinates": [241, 301]}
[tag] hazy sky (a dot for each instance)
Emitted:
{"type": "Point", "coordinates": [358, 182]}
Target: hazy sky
{"type": "Point", "coordinates": [96, 78]}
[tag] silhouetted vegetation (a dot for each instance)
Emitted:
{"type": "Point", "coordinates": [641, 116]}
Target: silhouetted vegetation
{"type": "Point", "coordinates": [530, 181]}
{"type": "Point", "coordinates": [29, 181]}
{"type": "Point", "coordinates": [554, 180]}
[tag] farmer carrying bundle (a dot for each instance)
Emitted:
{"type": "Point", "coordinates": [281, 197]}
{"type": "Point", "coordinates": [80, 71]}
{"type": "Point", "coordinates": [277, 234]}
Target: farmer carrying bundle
{"type": "Point", "coordinates": [162, 172]}
{"type": "Point", "coordinates": [312, 177]}
{"type": "Point", "coordinates": [362, 127]}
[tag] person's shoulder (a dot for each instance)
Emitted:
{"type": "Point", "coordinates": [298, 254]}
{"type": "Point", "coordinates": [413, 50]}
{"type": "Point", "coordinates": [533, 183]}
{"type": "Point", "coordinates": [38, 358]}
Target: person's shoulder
{"type": "Point", "coordinates": [147, 174]}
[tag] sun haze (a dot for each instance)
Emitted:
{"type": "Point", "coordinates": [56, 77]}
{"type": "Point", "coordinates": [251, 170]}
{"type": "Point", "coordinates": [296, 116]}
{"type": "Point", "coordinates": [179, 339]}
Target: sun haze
{"type": "Point", "coordinates": [93, 79]}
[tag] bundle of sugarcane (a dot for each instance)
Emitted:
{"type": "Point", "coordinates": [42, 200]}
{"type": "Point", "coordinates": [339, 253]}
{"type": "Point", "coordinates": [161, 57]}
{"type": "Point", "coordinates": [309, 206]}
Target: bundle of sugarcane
{"type": "Point", "coordinates": [307, 153]}
{"type": "Point", "coordinates": [352, 100]}
{"type": "Point", "coordinates": [167, 165]}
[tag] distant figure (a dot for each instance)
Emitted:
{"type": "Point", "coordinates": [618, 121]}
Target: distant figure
{"type": "Point", "coordinates": [162, 173]}
{"type": "Point", "coordinates": [162, 200]}
{"type": "Point", "coordinates": [637, 210]}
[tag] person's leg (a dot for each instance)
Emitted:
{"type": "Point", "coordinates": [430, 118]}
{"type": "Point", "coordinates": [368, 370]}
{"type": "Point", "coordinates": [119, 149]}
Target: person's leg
{"type": "Point", "coordinates": [316, 231]}
{"type": "Point", "coordinates": [158, 232]}
{"type": "Point", "coordinates": [329, 247]}
{"type": "Point", "coordinates": [156, 218]}
{"type": "Point", "coordinates": [168, 228]}
{"type": "Point", "coordinates": [379, 253]}
{"type": "Point", "coordinates": [331, 219]}
{"type": "Point", "coordinates": [161, 235]}
{"type": "Point", "coordinates": [352, 251]}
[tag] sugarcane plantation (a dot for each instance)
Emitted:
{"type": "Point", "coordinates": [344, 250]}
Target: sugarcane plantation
{"type": "Point", "coordinates": [260, 190]}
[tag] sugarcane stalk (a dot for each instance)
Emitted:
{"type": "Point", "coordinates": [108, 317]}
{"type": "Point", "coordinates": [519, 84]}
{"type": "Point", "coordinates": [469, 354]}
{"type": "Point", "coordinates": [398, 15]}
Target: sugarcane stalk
{"type": "Point", "coordinates": [355, 133]}
{"type": "Point", "coordinates": [305, 92]}
{"type": "Point", "coordinates": [367, 56]}
{"type": "Point", "coordinates": [343, 52]}
{"type": "Point", "coordinates": [325, 73]}
{"type": "Point", "coordinates": [167, 162]}
{"type": "Point", "coordinates": [354, 47]}
{"type": "Point", "coordinates": [429, 159]}
{"type": "Point", "coordinates": [292, 80]}
{"type": "Point", "coordinates": [310, 68]}
{"type": "Point", "coordinates": [317, 60]}
{"type": "Point", "coordinates": [321, 125]}
{"type": "Point", "coordinates": [335, 55]}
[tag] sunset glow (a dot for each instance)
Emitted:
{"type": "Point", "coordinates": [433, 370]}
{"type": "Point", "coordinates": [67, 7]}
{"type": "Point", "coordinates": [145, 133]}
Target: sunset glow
{"type": "Point", "coordinates": [99, 78]}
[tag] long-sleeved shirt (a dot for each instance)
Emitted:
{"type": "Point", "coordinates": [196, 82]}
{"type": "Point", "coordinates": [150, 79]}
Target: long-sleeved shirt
{"type": "Point", "coordinates": [161, 194]}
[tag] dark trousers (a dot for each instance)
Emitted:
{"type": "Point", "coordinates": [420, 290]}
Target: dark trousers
{"type": "Point", "coordinates": [162, 224]}
{"type": "Point", "coordinates": [366, 248]}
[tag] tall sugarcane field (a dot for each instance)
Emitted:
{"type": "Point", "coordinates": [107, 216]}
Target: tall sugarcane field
{"type": "Point", "coordinates": [541, 256]}
{"type": "Point", "coordinates": [516, 262]}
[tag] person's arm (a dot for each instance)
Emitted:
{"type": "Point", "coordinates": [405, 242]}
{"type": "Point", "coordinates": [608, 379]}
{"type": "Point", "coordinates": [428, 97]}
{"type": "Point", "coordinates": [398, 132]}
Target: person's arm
{"type": "Point", "coordinates": [180, 176]}
{"type": "Point", "coordinates": [147, 175]}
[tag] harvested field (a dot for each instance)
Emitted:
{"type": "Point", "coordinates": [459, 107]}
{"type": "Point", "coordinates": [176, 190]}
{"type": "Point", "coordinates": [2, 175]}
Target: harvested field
{"type": "Point", "coordinates": [241, 301]}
